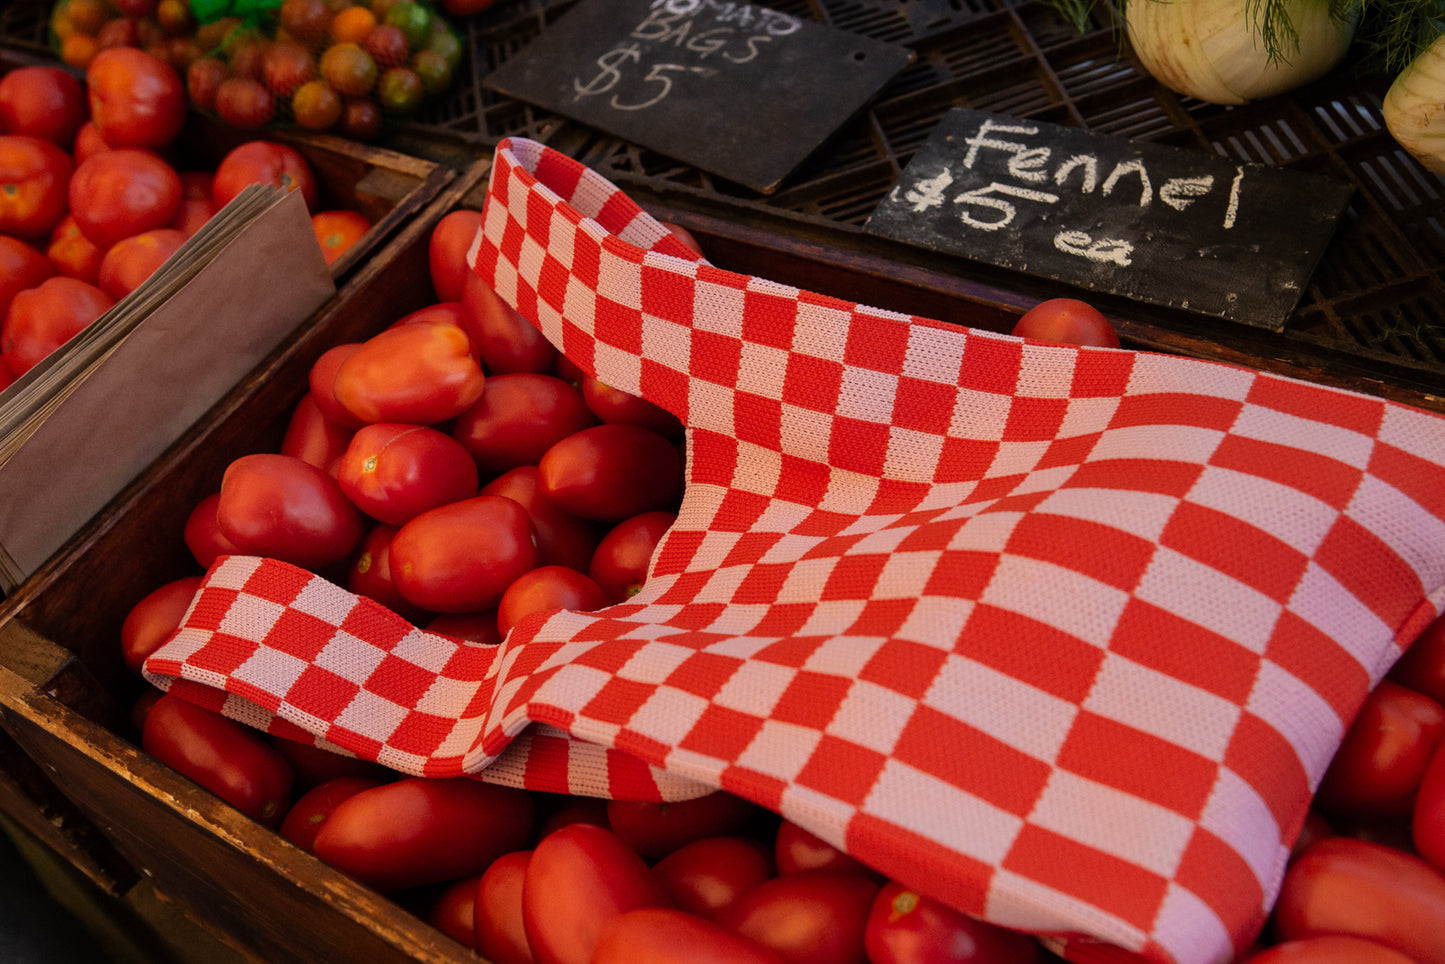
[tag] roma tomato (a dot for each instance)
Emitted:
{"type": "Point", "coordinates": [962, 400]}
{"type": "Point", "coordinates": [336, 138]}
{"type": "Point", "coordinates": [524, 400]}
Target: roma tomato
{"type": "Point", "coordinates": [1422, 668]}
{"type": "Point", "coordinates": [43, 318]}
{"type": "Point", "coordinates": [655, 829]}
{"type": "Point", "coordinates": [394, 471]}
{"type": "Point", "coordinates": [1341, 885]}
{"type": "Point", "coordinates": [547, 589]}
{"type": "Point", "coordinates": [265, 162]}
{"type": "Point", "coordinates": [312, 437]}
{"type": "Point", "coordinates": [21, 267]}
{"type": "Point", "coordinates": [453, 912]}
{"type": "Point", "coordinates": [119, 193]}
{"type": "Point", "coordinates": [518, 417]}
{"type": "Point", "coordinates": [230, 759]}
{"type": "Point", "coordinates": [507, 341]}
{"type": "Point", "coordinates": [43, 101]}
{"type": "Point", "coordinates": [611, 472]}
{"type": "Point", "coordinates": [422, 374]}
{"type": "Point", "coordinates": [497, 931]}
{"type": "Point", "coordinates": [614, 405]}
{"type": "Point", "coordinates": [1329, 949]}
{"type": "Point", "coordinates": [72, 253]}
{"type": "Point", "coordinates": [203, 536]}
{"type": "Point", "coordinates": [460, 558]}
{"type": "Point", "coordinates": [797, 849]}
{"type": "Point", "coordinates": [322, 381]}
{"type": "Point", "coordinates": [420, 830]}
{"type": "Point", "coordinates": [314, 765]}
{"type": "Point", "coordinates": [136, 98]}
{"type": "Point", "coordinates": [708, 876]}
{"type": "Point", "coordinates": [305, 817]}
{"type": "Point", "coordinates": [660, 935]}
{"type": "Point", "coordinates": [1067, 321]}
{"type": "Point", "coordinates": [905, 927]}
{"type": "Point", "coordinates": [562, 539]}
{"type": "Point", "coordinates": [619, 563]}
{"type": "Point", "coordinates": [130, 261]}
{"type": "Point", "coordinates": [279, 506]}
{"type": "Point", "coordinates": [151, 621]}
{"type": "Point", "coordinates": [1383, 756]}
{"type": "Point", "coordinates": [370, 574]}
{"type": "Point", "coordinates": [447, 249]}
{"type": "Point", "coordinates": [337, 231]}
{"type": "Point", "coordinates": [580, 877]}
{"type": "Point", "coordinates": [1427, 821]}
{"type": "Point", "coordinates": [811, 917]}
{"type": "Point", "coordinates": [34, 185]}
{"type": "Point", "coordinates": [479, 628]}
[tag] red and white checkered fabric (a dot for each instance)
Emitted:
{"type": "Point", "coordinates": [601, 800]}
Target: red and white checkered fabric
{"type": "Point", "coordinates": [1064, 637]}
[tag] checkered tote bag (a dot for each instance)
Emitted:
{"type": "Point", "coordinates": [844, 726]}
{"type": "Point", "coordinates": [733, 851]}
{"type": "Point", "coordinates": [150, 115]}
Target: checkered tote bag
{"type": "Point", "coordinates": [1064, 637]}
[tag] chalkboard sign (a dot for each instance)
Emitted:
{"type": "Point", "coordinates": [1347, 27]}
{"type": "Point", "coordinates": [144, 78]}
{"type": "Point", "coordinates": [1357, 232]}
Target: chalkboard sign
{"type": "Point", "coordinates": [739, 90]}
{"type": "Point", "coordinates": [1157, 224]}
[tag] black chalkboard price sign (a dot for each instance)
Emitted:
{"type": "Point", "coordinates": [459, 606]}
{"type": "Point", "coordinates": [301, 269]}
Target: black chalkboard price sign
{"type": "Point", "coordinates": [736, 89]}
{"type": "Point", "coordinates": [1153, 223]}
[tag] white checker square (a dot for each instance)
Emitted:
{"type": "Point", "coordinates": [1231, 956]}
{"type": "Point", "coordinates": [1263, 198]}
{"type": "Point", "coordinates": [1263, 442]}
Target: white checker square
{"type": "Point", "coordinates": [617, 367]}
{"type": "Point", "coordinates": [698, 766]}
{"type": "Point", "coordinates": [1025, 904]}
{"type": "Point", "coordinates": [866, 524]}
{"type": "Point", "coordinates": [580, 305]}
{"type": "Point", "coordinates": [912, 456]}
{"type": "Point", "coordinates": [821, 331]}
{"type": "Point", "coordinates": [790, 548]}
{"type": "Point", "coordinates": [1183, 443]}
{"type": "Point", "coordinates": [427, 650]}
{"type": "Point", "coordinates": [738, 619]}
{"type": "Point", "coordinates": [234, 572]}
{"type": "Point", "coordinates": [713, 549]}
{"type": "Point", "coordinates": [1046, 372]}
{"type": "Point", "coordinates": [773, 289]}
{"type": "Point", "coordinates": [1117, 823]}
{"type": "Point", "coordinates": [1323, 602]}
{"type": "Point", "coordinates": [504, 281]}
{"type": "Point", "coordinates": [1282, 428]}
{"type": "Point", "coordinates": [529, 259]}
{"type": "Point", "coordinates": [270, 670]}
{"type": "Point", "coordinates": [1238, 815]}
{"type": "Point", "coordinates": [654, 662]}
{"type": "Point", "coordinates": [867, 395]}
{"type": "Point", "coordinates": [979, 415]}
{"type": "Point", "coordinates": [243, 710]}
{"type": "Point", "coordinates": [1301, 716]}
{"type": "Point", "coordinates": [804, 433]}
{"type": "Point", "coordinates": [780, 750]}
{"type": "Point", "coordinates": [710, 407]}
{"type": "Point", "coordinates": [1075, 603]}
{"type": "Point", "coordinates": [549, 320]}
{"type": "Point", "coordinates": [1415, 533]}
{"type": "Point", "coordinates": [1011, 711]}
{"type": "Point", "coordinates": [905, 574]}
{"type": "Point", "coordinates": [307, 721]}
{"type": "Point", "coordinates": [933, 808]}
{"type": "Point", "coordinates": [755, 687]}
{"type": "Point", "coordinates": [1165, 373]}
{"type": "Point", "coordinates": [185, 644]}
{"type": "Point", "coordinates": [1044, 480]}
{"type": "Point", "coordinates": [1016, 458]}
{"type": "Point", "coordinates": [447, 697]}
{"type": "Point", "coordinates": [936, 621]}
{"type": "Point", "coordinates": [1085, 416]}
{"type": "Point", "coordinates": [371, 716]}
{"type": "Point", "coordinates": [320, 599]}
{"type": "Point", "coordinates": [460, 739]}
{"type": "Point", "coordinates": [666, 713]}
{"type": "Point", "coordinates": [849, 493]}
{"type": "Point", "coordinates": [839, 654]}
{"type": "Point", "coordinates": [561, 234]}
{"type": "Point", "coordinates": [1420, 433]}
{"type": "Point", "coordinates": [759, 469]}
{"type": "Point", "coordinates": [1296, 519]}
{"type": "Point", "coordinates": [934, 354]}
{"type": "Point", "coordinates": [1157, 703]}
{"type": "Point", "coordinates": [718, 308]}
{"type": "Point", "coordinates": [1143, 514]}
{"type": "Point", "coordinates": [666, 342]}
{"type": "Point", "coordinates": [722, 584]}
{"type": "Point", "coordinates": [409, 763]}
{"type": "Point", "coordinates": [563, 657]}
{"type": "Point", "coordinates": [350, 657]}
{"type": "Point", "coordinates": [253, 621]}
{"type": "Point", "coordinates": [885, 538]}
{"type": "Point", "coordinates": [762, 370]}
{"type": "Point", "coordinates": [988, 532]}
{"type": "Point", "coordinates": [1201, 594]}
{"type": "Point", "coordinates": [494, 227]}
{"type": "Point", "coordinates": [1185, 921]}
{"type": "Point", "coordinates": [619, 280]}
{"type": "Point", "coordinates": [741, 647]}
{"type": "Point", "coordinates": [872, 716]}
{"type": "Point", "coordinates": [949, 495]}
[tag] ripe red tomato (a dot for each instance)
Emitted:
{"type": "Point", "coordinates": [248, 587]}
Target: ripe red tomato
{"type": "Point", "coordinates": [202, 536]}
{"type": "Point", "coordinates": [547, 589]}
{"type": "Point", "coordinates": [279, 506]}
{"type": "Point", "coordinates": [811, 917]}
{"type": "Point", "coordinates": [453, 911]}
{"type": "Point", "coordinates": [654, 829]}
{"type": "Point", "coordinates": [337, 231]}
{"type": "Point", "coordinates": [88, 143]}
{"type": "Point", "coordinates": [660, 935]}
{"type": "Point", "coordinates": [34, 181]}
{"type": "Point", "coordinates": [1422, 668]}
{"type": "Point", "coordinates": [563, 809]}
{"type": "Point", "coordinates": [1427, 822]}
{"type": "Point", "coordinates": [305, 817]}
{"type": "Point", "coordinates": [151, 621]}
{"type": "Point", "coordinates": [43, 101]}
{"type": "Point", "coordinates": [312, 437]}
{"type": "Point", "coordinates": [507, 341]}
{"type": "Point", "coordinates": [447, 249]}
{"type": "Point", "coordinates": [420, 830]}
{"type": "Point", "coordinates": [614, 405]}
{"type": "Point", "coordinates": [43, 318]}
{"type": "Point", "coordinates": [1067, 321]}
{"type": "Point", "coordinates": [72, 253]}
{"type": "Point", "coordinates": [562, 539]}
{"type": "Point", "coordinates": [314, 765]}
{"type": "Point", "coordinates": [1384, 753]}
{"type": "Point", "coordinates": [422, 374]}
{"type": "Point", "coordinates": [797, 849]}
{"type": "Point", "coordinates": [1341, 885]}
{"type": "Point", "coordinates": [479, 628]}
{"type": "Point", "coordinates": [1329, 949]}
{"type": "Point", "coordinates": [580, 877]}
{"type": "Point", "coordinates": [460, 558]}
{"type": "Point", "coordinates": [519, 416]}
{"type": "Point", "coordinates": [192, 214]}
{"type": "Point", "coordinates": [265, 162]}
{"type": "Point", "coordinates": [120, 193]}
{"type": "Point", "coordinates": [611, 472]}
{"type": "Point", "coordinates": [21, 267]}
{"type": "Point", "coordinates": [322, 381]}
{"type": "Point", "coordinates": [230, 759]}
{"type": "Point", "coordinates": [203, 80]}
{"type": "Point", "coordinates": [619, 564]}
{"type": "Point", "coordinates": [905, 927]}
{"type": "Point", "coordinates": [498, 934]}
{"type": "Point", "coordinates": [683, 235]}
{"type": "Point", "coordinates": [136, 98]}
{"type": "Point", "coordinates": [706, 877]}
{"type": "Point", "coordinates": [370, 574]}
{"type": "Point", "coordinates": [394, 471]}
{"type": "Point", "coordinates": [130, 261]}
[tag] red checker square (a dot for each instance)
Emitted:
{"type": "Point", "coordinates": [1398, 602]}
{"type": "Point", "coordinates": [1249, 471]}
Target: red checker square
{"type": "Point", "coordinates": [972, 760]}
{"type": "Point", "coordinates": [854, 577]}
{"type": "Point", "coordinates": [1368, 567]}
{"type": "Point", "coordinates": [628, 778]}
{"type": "Point", "coordinates": [421, 733]}
{"type": "Point", "coordinates": [586, 259]}
{"type": "Point", "coordinates": [784, 619]}
{"type": "Point", "coordinates": [222, 653]}
{"type": "Point", "coordinates": [1176, 408]}
{"type": "Point", "coordinates": [965, 459]}
{"type": "Point", "coordinates": [929, 534]}
{"type": "Point", "coordinates": [726, 279]}
{"type": "Point", "coordinates": [791, 652]}
{"type": "Point", "coordinates": [363, 746]}
{"type": "Point", "coordinates": [1218, 875]}
{"type": "Point", "coordinates": [399, 681]}
{"type": "Point", "coordinates": [373, 622]}
{"type": "Point", "coordinates": [1236, 548]}
{"type": "Point", "coordinates": [1185, 650]}
{"type": "Point", "coordinates": [762, 583]}
{"type": "Point", "coordinates": [605, 627]}
{"type": "Point", "coordinates": [812, 383]}
{"type": "Point", "coordinates": [1069, 451]}
{"type": "Point", "coordinates": [697, 615]}
{"type": "Point", "coordinates": [1421, 480]}
{"type": "Point", "coordinates": [1099, 551]}
{"type": "Point", "coordinates": [552, 282]}
{"type": "Point", "coordinates": [904, 666]}
{"type": "Point", "coordinates": [811, 699]}
{"type": "Point", "coordinates": [469, 664]}
{"type": "Point", "coordinates": [1034, 419]}
{"type": "Point", "coordinates": [1269, 763]}
{"type": "Point", "coordinates": [254, 693]}
{"type": "Point", "coordinates": [486, 263]}
{"type": "Point", "coordinates": [662, 297]}
{"type": "Point", "coordinates": [510, 246]}
{"type": "Point", "coordinates": [640, 746]}
{"type": "Point", "coordinates": [758, 420]}
{"type": "Point", "coordinates": [821, 522]}
{"type": "Point", "coordinates": [558, 171]}
{"type": "Point", "coordinates": [991, 365]}
{"type": "Point", "coordinates": [1329, 480]}
{"type": "Point", "coordinates": [721, 732]}
{"type": "Point", "coordinates": [527, 300]}
{"type": "Point", "coordinates": [715, 358]}
{"type": "Point", "coordinates": [617, 325]}
{"type": "Point", "coordinates": [277, 584]}
{"type": "Point", "coordinates": [677, 550]}
{"type": "Point", "coordinates": [923, 406]}
{"type": "Point", "coordinates": [956, 879]}
{"type": "Point", "coordinates": [858, 446]}
{"type": "Point", "coordinates": [1138, 763]}
{"type": "Point", "coordinates": [685, 589]}
{"type": "Point", "coordinates": [998, 487]}
{"type": "Point", "coordinates": [802, 481]}
{"type": "Point", "coordinates": [607, 659]}
{"type": "Point", "coordinates": [1023, 502]}
{"type": "Point", "coordinates": [1161, 476]}
{"type": "Point", "coordinates": [713, 458]}
{"type": "Point", "coordinates": [751, 547]}
{"type": "Point", "coordinates": [1318, 404]}
{"type": "Point", "coordinates": [768, 318]}
{"type": "Point", "coordinates": [480, 705]}
{"type": "Point", "coordinates": [1101, 374]}
{"type": "Point", "coordinates": [210, 608]}
{"type": "Point", "coordinates": [578, 345]}
{"type": "Point", "coordinates": [321, 693]}
{"type": "Point", "coordinates": [199, 693]}
{"type": "Point", "coordinates": [878, 344]}
{"type": "Point", "coordinates": [899, 495]}
{"type": "Point", "coordinates": [286, 730]}
{"type": "Point", "coordinates": [1117, 886]}
{"type": "Point", "coordinates": [842, 770]}
{"type": "Point", "coordinates": [883, 617]}
{"type": "Point", "coordinates": [763, 789]}
{"type": "Point", "coordinates": [539, 218]}
{"type": "Point", "coordinates": [616, 213]}
{"type": "Point", "coordinates": [665, 386]}
{"type": "Point", "coordinates": [618, 700]}
{"type": "Point", "coordinates": [830, 547]}
{"type": "Point", "coordinates": [1028, 650]}
{"type": "Point", "coordinates": [703, 674]}
{"type": "Point", "coordinates": [524, 693]}
{"type": "Point", "coordinates": [1307, 653]}
{"type": "Point", "coordinates": [739, 511]}
{"type": "Point", "coordinates": [961, 573]}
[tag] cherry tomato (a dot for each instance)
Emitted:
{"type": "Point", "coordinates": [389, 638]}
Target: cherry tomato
{"type": "Point", "coordinates": [34, 180]}
{"type": "Point", "coordinates": [562, 539]}
{"type": "Point", "coordinates": [88, 143]}
{"type": "Point", "coordinates": [193, 214]}
{"type": "Point", "coordinates": [447, 249]}
{"type": "Point", "coordinates": [614, 405]}
{"type": "Point", "coordinates": [285, 66]}
{"type": "Point", "coordinates": [660, 935]}
{"type": "Point", "coordinates": [1422, 668]}
{"type": "Point", "coordinates": [795, 849]}
{"type": "Point", "coordinates": [654, 829]}
{"type": "Point", "coordinates": [611, 472]}
{"type": "Point", "coordinates": [43, 101]}
{"type": "Point", "coordinates": [202, 536]}
{"type": "Point", "coordinates": [21, 267]}
{"type": "Point", "coordinates": [420, 830]}
{"type": "Point", "coordinates": [508, 341]}
{"type": "Point", "coordinates": [265, 162]}
{"type": "Point", "coordinates": [1067, 321]}
{"type": "Point", "coordinates": [130, 261]}
{"type": "Point", "coordinates": [1345, 886]}
{"type": "Point", "coordinates": [312, 437]}
{"type": "Point", "coordinates": [580, 877]}
{"type": "Point", "coordinates": [547, 589]}
{"type": "Point", "coordinates": [1384, 753]}
{"type": "Point", "coordinates": [136, 99]}
{"type": "Point", "coordinates": [337, 231]}
{"type": "Point", "coordinates": [72, 253]}
{"type": "Point", "coordinates": [279, 506]}
{"type": "Point", "coordinates": [811, 917]}
{"type": "Point", "coordinates": [905, 927]}
{"type": "Point", "coordinates": [394, 471]}
{"type": "Point", "coordinates": [1427, 822]}
{"type": "Point", "coordinates": [151, 621]}
{"type": "Point", "coordinates": [305, 816]}
{"type": "Point", "coordinates": [203, 81]}
{"type": "Point", "coordinates": [1329, 949]}
{"type": "Point", "coordinates": [706, 877]}
{"type": "Point", "coordinates": [244, 103]}
{"type": "Point", "coordinates": [518, 417]}
{"type": "Point", "coordinates": [122, 192]}
{"type": "Point", "coordinates": [228, 758]}
{"type": "Point", "coordinates": [43, 318]}
{"type": "Point", "coordinates": [314, 765]}
{"type": "Point", "coordinates": [423, 374]}
{"type": "Point", "coordinates": [322, 380]}
{"type": "Point", "coordinates": [453, 912]}
{"type": "Point", "coordinates": [480, 628]}
{"type": "Point", "coordinates": [619, 563]}
{"type": "Point", "coordinates": [460, 558]}
{"type": "Point", "coordinates": [370, 574]}
{"type": "Point", "coordinates": [498, 934]}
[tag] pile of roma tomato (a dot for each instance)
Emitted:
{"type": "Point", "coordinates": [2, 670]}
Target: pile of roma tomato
{"type": "Point", "coordinates": [94, 195]}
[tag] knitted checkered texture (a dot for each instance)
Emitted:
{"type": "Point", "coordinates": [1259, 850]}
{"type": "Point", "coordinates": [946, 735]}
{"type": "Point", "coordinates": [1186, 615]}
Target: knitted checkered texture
{"type": "Point", "coordinates": [1064, 637]}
